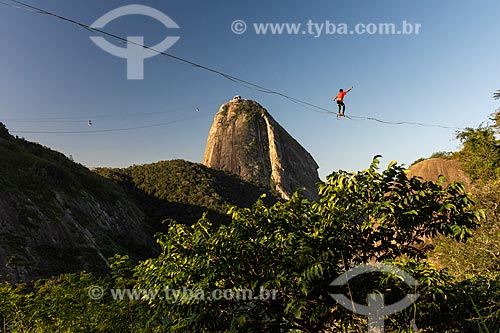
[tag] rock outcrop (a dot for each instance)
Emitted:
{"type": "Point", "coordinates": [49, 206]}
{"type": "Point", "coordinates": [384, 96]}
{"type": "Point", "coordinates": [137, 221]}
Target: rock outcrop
{"type": "Point", "coordinates": [432, 168]}
{"type": "Point", "coordinates": [247, 141]}
{"type": "Point", "coordinates": [56, 216]}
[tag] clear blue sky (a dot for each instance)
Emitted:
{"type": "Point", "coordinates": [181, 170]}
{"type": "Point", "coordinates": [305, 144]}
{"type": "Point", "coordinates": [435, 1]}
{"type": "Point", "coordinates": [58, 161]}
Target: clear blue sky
{"type": "Point", "coordinates": [445, 75]}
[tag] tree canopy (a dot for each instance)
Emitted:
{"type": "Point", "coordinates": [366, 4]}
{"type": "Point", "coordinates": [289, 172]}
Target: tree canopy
{"type": "Point", "coordinates": [299, 247]}
{"type": "Point", "coordinates": [290, 250]}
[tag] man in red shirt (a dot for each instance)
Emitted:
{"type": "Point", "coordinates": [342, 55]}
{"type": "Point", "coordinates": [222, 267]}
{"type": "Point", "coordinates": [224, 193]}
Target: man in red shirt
{"type": "Point", "coordinates": [340, 100]}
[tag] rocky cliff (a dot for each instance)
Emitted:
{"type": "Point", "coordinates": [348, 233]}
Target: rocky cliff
{"type": "Point", "coordinates": [57, 216]}
{"type": "Point", "coordinates": [247, 141]}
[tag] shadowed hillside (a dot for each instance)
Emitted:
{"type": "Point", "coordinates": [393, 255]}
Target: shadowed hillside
{"type": "Point", "coordinates": [183, 190]}
{"type": "Point", "coordinates": [58, 216]}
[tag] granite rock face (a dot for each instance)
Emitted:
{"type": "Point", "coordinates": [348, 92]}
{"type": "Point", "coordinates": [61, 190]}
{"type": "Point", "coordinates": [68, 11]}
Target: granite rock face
{"type": "Point", "coordinates": [247, 141]}
{"type": "Point", "coordinates": [56, 216]}
{"type": "Point", "coordinates": [432, 168]}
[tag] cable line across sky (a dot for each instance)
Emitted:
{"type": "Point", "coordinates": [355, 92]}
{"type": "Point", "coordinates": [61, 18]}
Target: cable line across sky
{"type": "Point", "coordinates": [247, 84]}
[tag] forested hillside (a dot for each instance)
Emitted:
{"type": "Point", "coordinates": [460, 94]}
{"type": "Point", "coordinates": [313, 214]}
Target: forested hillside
{"type": "Point", "coordinates": [183, 191]}
{"type": "Point", "coordinates": [57, 216]}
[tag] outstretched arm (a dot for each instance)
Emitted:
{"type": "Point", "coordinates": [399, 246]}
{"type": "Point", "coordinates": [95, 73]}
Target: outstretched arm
{"type": "Point", "coordinates": [349, 89]}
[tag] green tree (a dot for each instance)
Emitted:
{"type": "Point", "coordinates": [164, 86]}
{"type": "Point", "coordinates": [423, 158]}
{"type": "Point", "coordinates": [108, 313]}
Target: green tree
{"type": "Point", "coordinates": [480, 152]}
{"type": "Point", "coordinates": [480, 157]}
{"type": "Point", "coordinates": [475, 265]}
{"type": "Point", "coordinates": [297, 248]}
{"type": "Point", "coordinates": [438, 154]}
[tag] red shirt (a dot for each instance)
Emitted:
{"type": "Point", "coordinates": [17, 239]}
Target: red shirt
{"type": "Point", "coordinates": [341, 95]}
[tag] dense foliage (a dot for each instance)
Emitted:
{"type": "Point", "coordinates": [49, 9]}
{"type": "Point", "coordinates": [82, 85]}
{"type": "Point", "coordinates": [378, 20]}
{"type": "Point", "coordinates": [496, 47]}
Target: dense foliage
{"type": "Point", "coordinates": [296, 248]}
{"type": "Point", "coordinates": [438, 154]}
{"type": "Point", "coordinates": [480, 156]}
{"type": "Point", "coordinates": [27, 166]}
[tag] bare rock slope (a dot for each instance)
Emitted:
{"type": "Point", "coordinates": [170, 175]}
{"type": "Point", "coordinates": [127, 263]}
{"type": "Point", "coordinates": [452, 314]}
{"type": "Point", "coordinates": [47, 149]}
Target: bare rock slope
{"type": "Point", "coordinates": [245, 140]}
{"type": "Point", "coordinates": [432, 168]}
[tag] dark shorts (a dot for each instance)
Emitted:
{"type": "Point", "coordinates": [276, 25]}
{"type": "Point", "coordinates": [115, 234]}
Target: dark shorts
{"type": "Point", "coordinates": [340, 102]}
